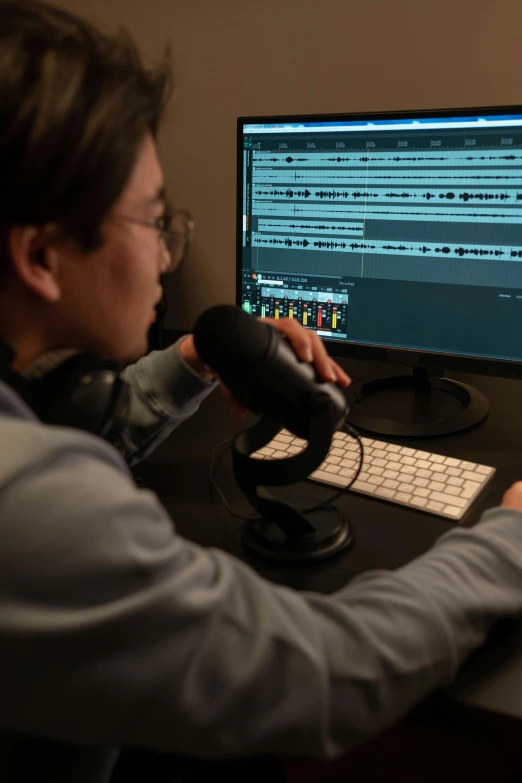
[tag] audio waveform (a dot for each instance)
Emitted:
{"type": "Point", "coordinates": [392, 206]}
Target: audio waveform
{"type": "Point", "coordinates": [368, 215]}
{"type": "Point", "coordinates": [333, 194]}
{"type": "Point", "coordinates": [395, 248]}
{"type": "Point", "coordinates": [399, 176]}
{"type": "Point", "coordinates": [313, 227]}
{"type": "Point", "coordinates": [395, 159]}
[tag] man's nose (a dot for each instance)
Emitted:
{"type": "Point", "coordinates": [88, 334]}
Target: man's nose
{"type": "Point", "coordinates": [165, 260]}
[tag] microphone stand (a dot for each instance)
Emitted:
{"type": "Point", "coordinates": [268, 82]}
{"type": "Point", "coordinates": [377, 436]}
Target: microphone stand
{"type": "Point", "coordinates": [285, 533]}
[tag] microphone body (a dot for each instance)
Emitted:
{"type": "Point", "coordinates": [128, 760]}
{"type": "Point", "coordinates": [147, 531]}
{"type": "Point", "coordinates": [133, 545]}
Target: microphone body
{"type": "Point", "coordinates": [263, 372]}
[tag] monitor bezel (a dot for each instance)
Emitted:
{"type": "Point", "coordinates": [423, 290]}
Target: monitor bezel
{"type": "Point", "coordinates": [367, 351]}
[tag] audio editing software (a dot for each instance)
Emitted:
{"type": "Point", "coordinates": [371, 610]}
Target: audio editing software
{"type": "Point", "coordinates": [346, 222]}
{"type": "Point", "coordinates": [319, 306]}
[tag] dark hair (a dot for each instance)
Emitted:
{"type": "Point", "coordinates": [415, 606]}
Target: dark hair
{"type": "Point", "coordinates": [75, 106]}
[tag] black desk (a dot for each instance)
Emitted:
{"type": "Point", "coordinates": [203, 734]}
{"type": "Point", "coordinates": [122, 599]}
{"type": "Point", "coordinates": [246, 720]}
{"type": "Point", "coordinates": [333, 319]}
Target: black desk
{"type": "Point", "coordinates": [489, 686]}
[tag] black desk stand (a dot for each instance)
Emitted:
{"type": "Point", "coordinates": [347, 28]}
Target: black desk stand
{"type": "Point", "coordinates": [422, 404]}
{"type": "Point", "coordinates": [296, 531]}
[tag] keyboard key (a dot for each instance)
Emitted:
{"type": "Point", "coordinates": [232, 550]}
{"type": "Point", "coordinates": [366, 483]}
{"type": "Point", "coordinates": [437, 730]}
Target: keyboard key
{"type": "Point", "coordinates": [408, 470]}
{"type": "Point", "coordinates": [383, 492]}
{"type": "Point", "coordinates": [453, 511]}
{"type": "Point", "coordinates": [285, 438]}
{"type": "Point", "coordinates": [454, 463]}
{"type": "Point", "coordinates": [447, 499]}
{"type": "Point", "coordinates": [437, 468]}
{"type": "Point", "coordinates": [436, 485]}
{"type": "Point", "coordinates": [436, 458]}
{"type": "Point", "coordinates": [376, 480]}
{"type": "Point", "coordinates": [468, 492]}
{"type": "Point", "coordinates": [380, 453]}
{"type": "Point", "coordinates": [279, 455]}
{"type": "Point", "coordinates": [407, 489]}
{"type": "Point", "coordinates": [375, 471]}
{"type": "Point", "coordinates": [417, 501]}
{"type": "Point", "coordinates": [332, 468]}
{"type": "Point", "coordinates": [390, 484]}
{"type": "Point", "coordinates": [455, 482]}
{"type": "Point", "coordinates": [332, 460]}
{"type": "Point", "coordinates": [420, 482]}
{"type": "Point", "coordinates": [392, 447]}
{"type": "Point", "coordinates": [336, 452]}
{"type": "Point", "coordinates": [483, 470]}
{"type": "Point", "coordinates": [379, 463]}
{"type": "Point", "coordinates": [434, 506]}
{"type": "Point", "coordinates": [453, 471]}
{"type": "Point", "coordinates": [407, 452]}
{"type": "Point", "coordinates": [452, 490]}
{"type": "Point", "coordinates": [407, 461]}
{"type": "Point", "coordinates": [363, 486]}
{"type": "Point", "coordinates": [423, 473]}
{"type": "Point", "coordinates": [266, 451]}
{"type": "Point", "coordinates": [423, 463]}
{"type": "Point", "coordinates": [402, 497]}
{"type": "Point", "coordinates": [391, 474]}
{"type": "Point", "coordinates": [467, 465]}
{"type": "Point", "coordinates": [329, 478]}
{"type": "Point", "coordinates": [467, 474]}
{"type": "Point", "coordinates": [421, 492]}
{"type": "Point", "coordinates": [294, 449]}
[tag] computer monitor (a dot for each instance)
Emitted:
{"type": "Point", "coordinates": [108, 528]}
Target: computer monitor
{"type": "Point", "coordinates": [398, 238]}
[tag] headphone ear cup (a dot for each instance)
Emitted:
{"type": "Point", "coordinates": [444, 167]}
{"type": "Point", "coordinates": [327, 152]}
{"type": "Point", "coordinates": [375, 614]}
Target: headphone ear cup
{"type": "Point", "coordinates": [98, 402]}
{"type": "Point", "coordinates": [84, 392]}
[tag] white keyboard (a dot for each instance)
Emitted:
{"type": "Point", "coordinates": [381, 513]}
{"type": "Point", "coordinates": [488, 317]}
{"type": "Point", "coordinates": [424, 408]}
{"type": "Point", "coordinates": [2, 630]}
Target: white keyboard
{"type": "Point", "coordinates": [418, 479]}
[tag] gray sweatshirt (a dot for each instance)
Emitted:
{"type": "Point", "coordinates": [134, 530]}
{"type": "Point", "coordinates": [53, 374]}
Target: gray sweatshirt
{"type": "Point", "coordinates": [115, 631]}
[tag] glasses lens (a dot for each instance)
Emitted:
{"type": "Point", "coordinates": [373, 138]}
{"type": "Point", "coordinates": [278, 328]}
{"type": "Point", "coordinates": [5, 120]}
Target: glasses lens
{"type": "Point", "coordinates": [179, 228]}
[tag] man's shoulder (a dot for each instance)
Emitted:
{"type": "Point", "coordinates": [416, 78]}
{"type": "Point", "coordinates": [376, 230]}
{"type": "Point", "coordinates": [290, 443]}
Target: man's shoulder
{"type": "Point", "coordinates": [28, 444]}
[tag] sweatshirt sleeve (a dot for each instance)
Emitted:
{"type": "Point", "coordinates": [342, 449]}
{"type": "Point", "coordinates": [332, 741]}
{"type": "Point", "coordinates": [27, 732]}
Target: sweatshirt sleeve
{"type": "Point", "coordinates": [115, 630]}
{"type": "Point", "coordinates": [164, 392]}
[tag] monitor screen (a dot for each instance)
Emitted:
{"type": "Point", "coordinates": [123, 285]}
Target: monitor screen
{"type": "Point", "coordinates": [399, 230]}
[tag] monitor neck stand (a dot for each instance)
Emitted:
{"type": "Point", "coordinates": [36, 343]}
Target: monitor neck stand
{"type": "Point", "coordinates": [418, 405]}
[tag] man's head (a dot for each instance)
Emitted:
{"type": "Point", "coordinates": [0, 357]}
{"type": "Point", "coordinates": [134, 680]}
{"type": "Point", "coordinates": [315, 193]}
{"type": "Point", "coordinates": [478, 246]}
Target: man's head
{"type": "Point", "coordinates": [79, 177]}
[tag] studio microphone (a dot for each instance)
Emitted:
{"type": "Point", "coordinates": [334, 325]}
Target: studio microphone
{"type": "Point", "coordinates": [262, 371]}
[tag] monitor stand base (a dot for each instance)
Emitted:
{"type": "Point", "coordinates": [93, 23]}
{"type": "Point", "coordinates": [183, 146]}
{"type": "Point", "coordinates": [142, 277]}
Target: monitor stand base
{"type": "Point", "coordinates": [419, 405]}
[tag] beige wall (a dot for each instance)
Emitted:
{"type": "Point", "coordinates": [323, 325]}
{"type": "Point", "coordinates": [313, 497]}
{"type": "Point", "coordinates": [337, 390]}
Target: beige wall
{"type": "Point", "coordinates": [239, 57]}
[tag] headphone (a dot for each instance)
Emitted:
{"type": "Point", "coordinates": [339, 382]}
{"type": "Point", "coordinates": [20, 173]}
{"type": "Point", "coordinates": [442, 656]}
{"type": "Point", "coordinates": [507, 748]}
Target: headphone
{"type": "Point", "coordinates": [84, 391]}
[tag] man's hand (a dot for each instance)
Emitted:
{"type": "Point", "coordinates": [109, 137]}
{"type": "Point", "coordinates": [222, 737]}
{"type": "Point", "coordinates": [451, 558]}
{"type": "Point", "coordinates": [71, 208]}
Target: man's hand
{"type": "Point", "coordinates": [310, 348]}
{"type": "Point", "coordinates": [307, 345]}
{"type": "Point", "coordinates": [513, 497]}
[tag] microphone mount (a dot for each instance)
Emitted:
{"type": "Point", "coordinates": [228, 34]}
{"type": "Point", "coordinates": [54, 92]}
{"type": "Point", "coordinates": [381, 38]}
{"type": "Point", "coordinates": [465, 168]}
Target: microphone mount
{"type": "Point", "coordinates": [287, 531]}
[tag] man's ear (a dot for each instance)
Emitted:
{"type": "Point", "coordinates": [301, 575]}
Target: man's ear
{"type": "Point", "coordinates": [35, 260]}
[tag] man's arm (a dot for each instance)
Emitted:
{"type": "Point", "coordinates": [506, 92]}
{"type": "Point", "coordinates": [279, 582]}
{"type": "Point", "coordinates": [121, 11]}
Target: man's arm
{"type": "Point", "coordinates": [115, 630]}
{"type": "Point", "coordinates": [166, 388]}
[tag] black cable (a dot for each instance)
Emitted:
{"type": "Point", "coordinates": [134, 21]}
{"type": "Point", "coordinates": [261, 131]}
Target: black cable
{"type": "Point", "coordinates": [349, 431]}
{"type": "Point", "coordinates": [223, 445]}
{"type": "Point", "coordinates": [328, 501]}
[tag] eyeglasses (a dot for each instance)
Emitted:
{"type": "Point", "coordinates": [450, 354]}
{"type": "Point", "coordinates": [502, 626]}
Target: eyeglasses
{"type": "Point", "coordinates": [175, 229]}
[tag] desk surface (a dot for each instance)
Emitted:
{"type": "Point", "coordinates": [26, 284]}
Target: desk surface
{"type": "Point", "coordinates": [386, 535]}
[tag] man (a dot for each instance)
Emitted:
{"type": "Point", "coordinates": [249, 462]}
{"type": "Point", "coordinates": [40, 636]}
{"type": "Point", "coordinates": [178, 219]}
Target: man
{"type": "Point", "coordinates": [114, 630]}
